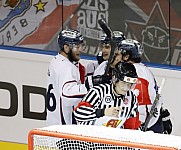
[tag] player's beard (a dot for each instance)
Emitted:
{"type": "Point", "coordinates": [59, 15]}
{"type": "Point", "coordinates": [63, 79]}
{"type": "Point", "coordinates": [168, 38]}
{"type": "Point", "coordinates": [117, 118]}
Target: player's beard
{"type": "Point", "coordinates": [72, 57]}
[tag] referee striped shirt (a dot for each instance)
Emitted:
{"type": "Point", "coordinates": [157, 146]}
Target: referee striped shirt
{"type": "Point", "coordinates": [101, 97]}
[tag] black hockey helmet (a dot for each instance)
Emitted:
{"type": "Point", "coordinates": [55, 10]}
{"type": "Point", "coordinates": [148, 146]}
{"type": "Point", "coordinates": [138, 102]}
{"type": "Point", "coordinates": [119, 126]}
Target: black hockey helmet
{"type": "Point", "coordinates": [125, 72]}
{"type": "Point", "coordinates": [70, 37]}
{"type": "Point", "coordinates": [131, 46]}
{"type": "Point", "coordinates": [118, 36]}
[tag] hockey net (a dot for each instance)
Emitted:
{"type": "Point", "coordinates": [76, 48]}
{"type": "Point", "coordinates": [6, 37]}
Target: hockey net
{"type": "Point", "coordinates": [85, 137]}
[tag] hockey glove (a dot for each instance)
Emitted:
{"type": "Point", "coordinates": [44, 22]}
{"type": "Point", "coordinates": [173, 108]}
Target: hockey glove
{"type": "Point", "coordinates": [167, 124]}
{"type": "Point", "coordinates": [96, 80]}
{"type": "Point", "coordinates": [100, 58]}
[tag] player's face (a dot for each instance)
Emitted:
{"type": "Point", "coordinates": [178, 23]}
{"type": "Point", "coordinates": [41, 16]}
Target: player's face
{"type": "Point", "coordinates": [74, 53]}
{"type": "Point", "coordinates": [122, 87]}
{"type": "Point", "coordinates": [106, 49]}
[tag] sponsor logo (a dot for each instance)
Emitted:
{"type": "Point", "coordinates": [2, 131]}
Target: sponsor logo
{"type": "Point", "coordinates": [14, 101]}
{"type": "Point", "coordinates": [125, 101]}
{"type": "Point", "coordinates": [112, 123]}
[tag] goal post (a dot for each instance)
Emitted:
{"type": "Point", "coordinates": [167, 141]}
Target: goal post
{"type": "Point", "coordinates": [87, 137]}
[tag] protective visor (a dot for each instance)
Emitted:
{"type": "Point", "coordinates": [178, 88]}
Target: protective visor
{"type": "Point", "coordinates": [81, 46]}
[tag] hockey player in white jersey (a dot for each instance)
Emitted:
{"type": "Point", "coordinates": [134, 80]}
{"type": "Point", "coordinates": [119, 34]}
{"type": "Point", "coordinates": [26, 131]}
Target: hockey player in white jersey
{"type": "Point", "coordinates": [146, 91]}
{"type": "Point", "coordinates": [105, 49]}
{"type": "Point", "coordinates": [64, 86]}
{"type": "Point", "coordinates": [91, 66]}
{"type": "Point", "coordinates": [65, 82]}
{"type": "Point", "coordinates": [111, 105]}
{"type": "Point", "coordinates": [119, 55]}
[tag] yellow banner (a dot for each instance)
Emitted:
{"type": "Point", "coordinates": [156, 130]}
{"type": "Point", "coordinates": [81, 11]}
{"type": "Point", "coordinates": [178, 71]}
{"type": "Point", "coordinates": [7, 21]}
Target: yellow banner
{"type": "Point", "coordinates": [10, 146]}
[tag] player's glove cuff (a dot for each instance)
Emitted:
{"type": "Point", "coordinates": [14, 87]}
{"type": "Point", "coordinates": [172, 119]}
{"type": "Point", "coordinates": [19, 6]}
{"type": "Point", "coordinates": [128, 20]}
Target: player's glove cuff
{"type": "Point", "coordinates": [166, 118]}
{"type": "Point", "coordinates": [100, 113]}
{"type": "Point", "coordinates": [167, 124]}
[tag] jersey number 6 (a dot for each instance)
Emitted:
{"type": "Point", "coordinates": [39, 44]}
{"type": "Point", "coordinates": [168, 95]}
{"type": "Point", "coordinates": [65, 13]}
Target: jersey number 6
{"type": "Point", "coordinates": [51, 101]}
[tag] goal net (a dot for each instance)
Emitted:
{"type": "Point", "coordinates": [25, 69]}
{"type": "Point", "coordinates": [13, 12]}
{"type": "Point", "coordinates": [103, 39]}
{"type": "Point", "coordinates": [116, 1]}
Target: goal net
{"type": "Point", "coordinates": [87, 137]}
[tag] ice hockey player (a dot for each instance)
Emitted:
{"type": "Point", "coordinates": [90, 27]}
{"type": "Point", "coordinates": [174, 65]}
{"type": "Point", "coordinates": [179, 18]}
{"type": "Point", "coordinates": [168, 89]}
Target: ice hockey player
{"type": "Point", "coordinates": [146, 91]}
{"type": "Point", "coordinates": [111, 105]}
{"type": "Point", "coordinates": [64, 89]}
{"type": "Point", "coordinates": [105, 49]}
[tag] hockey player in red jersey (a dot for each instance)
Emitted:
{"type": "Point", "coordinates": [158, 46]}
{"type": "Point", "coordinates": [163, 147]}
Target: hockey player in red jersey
{"type": "Point", "coordinates": [114, 104]}
{"type": "Point", "coordinates": [146, 91]}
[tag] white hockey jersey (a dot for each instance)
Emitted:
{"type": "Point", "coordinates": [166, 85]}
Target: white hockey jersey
{"type": "Point", "coordinates": [91, 67]}
{"type": "Point", "coordinates": [64, 90]}
{"type": "Point", "coordinates": [100, 70]}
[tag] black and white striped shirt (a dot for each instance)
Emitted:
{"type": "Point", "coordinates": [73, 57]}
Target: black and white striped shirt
{"type": "Point", "coordinates": [101, 97]}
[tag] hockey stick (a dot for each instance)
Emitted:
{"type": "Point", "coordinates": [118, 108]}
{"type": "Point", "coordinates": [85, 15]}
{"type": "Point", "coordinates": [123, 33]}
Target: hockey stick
{"type": "Point", "coordinates": [73, 14]}
{"type": "Point", "coordinates": [150, 115]}
{"type": "Point", "coordinates": [108, 32]}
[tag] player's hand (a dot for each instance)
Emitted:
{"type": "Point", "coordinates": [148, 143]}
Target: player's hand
{"type": "Point", "coordinates": [112, 111]}
{"type": "Point", "coordinates": [167, 124]}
